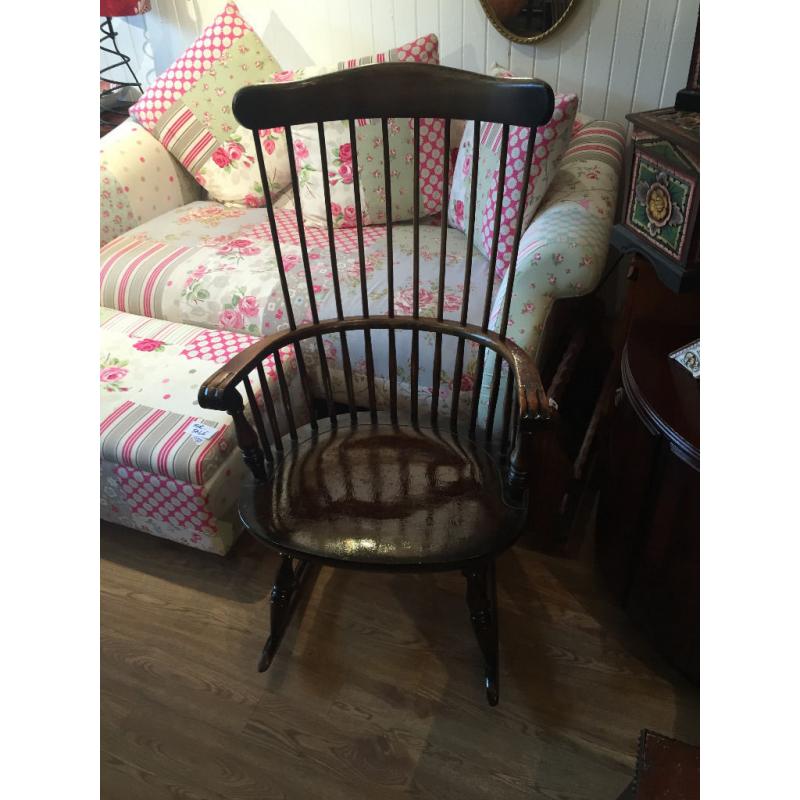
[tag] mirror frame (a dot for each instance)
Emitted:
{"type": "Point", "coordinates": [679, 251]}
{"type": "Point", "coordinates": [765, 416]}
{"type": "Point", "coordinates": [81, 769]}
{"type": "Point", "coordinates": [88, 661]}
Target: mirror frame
{"type": "Point", "coordinates": [503, 31]}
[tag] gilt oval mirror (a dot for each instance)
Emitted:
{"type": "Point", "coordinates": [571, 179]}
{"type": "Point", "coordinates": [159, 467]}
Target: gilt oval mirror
{"type": "Point", "coordinates": [527, 21]}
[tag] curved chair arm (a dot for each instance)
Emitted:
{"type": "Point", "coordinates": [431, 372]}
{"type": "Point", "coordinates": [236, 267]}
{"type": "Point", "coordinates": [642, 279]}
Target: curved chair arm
{"type": "Point", "coordinates": [218, 390]}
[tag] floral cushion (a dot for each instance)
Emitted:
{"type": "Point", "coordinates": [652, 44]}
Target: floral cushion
{"type": "Point", "coordinates": [551, 139]}
{"type": "Point", "coordinates": [369, 143]}
{"type": "Point", "coordinates": [167, 466]}
{"type": "Point", "coordinates": [188, 108]}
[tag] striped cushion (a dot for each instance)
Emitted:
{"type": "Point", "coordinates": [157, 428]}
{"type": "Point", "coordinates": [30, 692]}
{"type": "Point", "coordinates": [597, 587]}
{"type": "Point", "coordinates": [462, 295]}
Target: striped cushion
{"type": "Point", "coordinates": [601, 140]}
{"type": "Point", "coordinates": [168, 467]}
{"type": "Point", "coordinates": [188, 108]}
{"type": "Point", "coordinates": [150, 371]}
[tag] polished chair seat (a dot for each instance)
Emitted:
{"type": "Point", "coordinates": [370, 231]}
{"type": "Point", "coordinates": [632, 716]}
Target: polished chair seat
{"type": "Point", "coordinates": [383, 495]}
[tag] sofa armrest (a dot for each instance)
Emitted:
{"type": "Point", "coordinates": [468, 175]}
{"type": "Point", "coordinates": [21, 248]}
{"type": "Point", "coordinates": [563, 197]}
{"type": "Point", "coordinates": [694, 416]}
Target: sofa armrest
{"type": "Point", "coordinates": [563, 251]}
{"type": "Point", "coordinates": [139, 180]}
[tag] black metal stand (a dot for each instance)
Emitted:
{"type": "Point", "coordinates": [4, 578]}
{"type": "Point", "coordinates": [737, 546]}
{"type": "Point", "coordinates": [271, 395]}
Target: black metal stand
{"type": "Point", "coordinates": [109, 34]}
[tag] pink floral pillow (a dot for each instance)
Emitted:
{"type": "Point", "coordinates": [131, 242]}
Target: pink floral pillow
{"type": "Point", "coordinates": [188, 108]}
{"type": "Point", "coordinates": [551, 140]}
{"type": "Point", "coordinates": [369, 141]}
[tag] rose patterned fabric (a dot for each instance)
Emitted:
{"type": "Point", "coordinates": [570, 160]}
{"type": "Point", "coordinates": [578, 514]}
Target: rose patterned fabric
{"type": "Point", "coordinates": [210, 265]}
{"type": "Point", "coordinates": [139, 180]}
{"type": "Point", "coordinates": [169, 467]}
{"type": "Point", "coordinates": [551, 139]}
{"type": "Point", "coordinates": [188, 108]}
{"type": "Point", "coordinates": [563, 252]}
{"type": "Point", "coordinates": [213, 266]}
{"type": "Point", "coordinates": [338, 151]}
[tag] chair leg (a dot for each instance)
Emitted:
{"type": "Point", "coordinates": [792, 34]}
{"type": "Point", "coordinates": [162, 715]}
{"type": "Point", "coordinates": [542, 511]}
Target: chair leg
{"type": "Point", "coordinates": [284, 592]}
{"type": "Point", "coordinates": [482, 602]}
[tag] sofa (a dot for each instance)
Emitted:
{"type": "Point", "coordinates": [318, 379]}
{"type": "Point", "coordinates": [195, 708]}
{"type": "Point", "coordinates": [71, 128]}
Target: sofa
{"type": "Point", "coordinates": [186, 283]}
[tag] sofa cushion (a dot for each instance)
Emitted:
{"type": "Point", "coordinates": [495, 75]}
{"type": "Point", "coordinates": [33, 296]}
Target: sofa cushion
{"type": "Point", "coordinates": [551, 140]}
{"type": "Point", "coordinates": [369, 143]}
{"type": "Point", "coordinates": [211, 265]}
{"type": "Point", "coordinates": [168, 467]}
{"type": "Point", "coordinates": [188, 108]}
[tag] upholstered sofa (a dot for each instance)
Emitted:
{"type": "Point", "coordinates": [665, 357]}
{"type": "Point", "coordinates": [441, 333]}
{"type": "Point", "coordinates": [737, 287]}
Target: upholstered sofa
{"type": "Point", "coordinates": [186, 283]}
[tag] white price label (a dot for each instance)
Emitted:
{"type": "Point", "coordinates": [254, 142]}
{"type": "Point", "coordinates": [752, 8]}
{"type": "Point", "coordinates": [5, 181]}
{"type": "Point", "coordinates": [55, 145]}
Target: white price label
{"type": "Point", "coordinates": [200, 432]}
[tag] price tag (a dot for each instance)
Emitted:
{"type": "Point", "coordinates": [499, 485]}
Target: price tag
{"type": "Point", "coordinates": [200, 432]}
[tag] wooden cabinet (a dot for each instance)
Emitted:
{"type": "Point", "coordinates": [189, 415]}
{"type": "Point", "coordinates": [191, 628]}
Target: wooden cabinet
{"type": "Point", "coordinates": [647, 540]}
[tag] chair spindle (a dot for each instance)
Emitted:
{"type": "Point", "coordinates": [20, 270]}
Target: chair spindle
{"type": "Point", "coordinates": [287, 400]}
{"type": "Point", "coordinates": [512, 270]}
{"type": "Point", "coordinates": [387, 182]}
{"type": "Point", "coordinates": [312, 300]}
{"type": "Point", "coordinates": [337, 291]}
{"type": "Point", "coordinates": [287, 299]}
{"type": "Point", "coordinates": [362, 261]}
{"type": "Point", "coordinates": [269, 405]}
{"type": "Point", "coordinates": [415, 290]}
{"type": "Point", "coordinates": [437, 353]}
{"type": "Point", "coordinates": [473, 198]}
{"type": "Point", "coordinates": [259, 420]}
{"type": "Point", "coordinates": [487, 303]}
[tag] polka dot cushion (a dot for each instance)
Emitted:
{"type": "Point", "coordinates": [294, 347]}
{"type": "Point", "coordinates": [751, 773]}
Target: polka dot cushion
{"type": "Point", "coordinates": [551, 141]}
{"type": "Point", "coordinates": [188, 108]}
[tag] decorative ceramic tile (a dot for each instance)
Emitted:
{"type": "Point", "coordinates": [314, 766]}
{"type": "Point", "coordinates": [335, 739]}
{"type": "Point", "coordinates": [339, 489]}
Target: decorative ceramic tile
{"type": "Point", "coordinates": [659, 202]}
{"type": "Point", "coordinates": [689, 357]}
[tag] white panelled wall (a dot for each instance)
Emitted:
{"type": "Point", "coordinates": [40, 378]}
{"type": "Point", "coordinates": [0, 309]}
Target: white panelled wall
{"type": "Point", "coordinates": [617, 55]}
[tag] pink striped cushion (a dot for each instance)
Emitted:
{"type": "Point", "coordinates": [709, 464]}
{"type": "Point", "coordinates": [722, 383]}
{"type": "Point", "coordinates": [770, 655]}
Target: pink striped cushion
{"type": "Point", "coordinates": [188, 108]}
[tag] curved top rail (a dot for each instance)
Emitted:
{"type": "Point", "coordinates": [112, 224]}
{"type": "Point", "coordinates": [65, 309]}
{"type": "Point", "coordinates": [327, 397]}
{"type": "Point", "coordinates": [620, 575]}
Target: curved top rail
{"type": "Point", "coordinates": [396, 90]}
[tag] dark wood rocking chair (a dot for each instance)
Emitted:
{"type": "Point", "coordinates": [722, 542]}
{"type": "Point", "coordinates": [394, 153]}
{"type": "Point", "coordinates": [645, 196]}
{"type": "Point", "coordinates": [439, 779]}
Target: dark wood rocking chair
{"type": "Point", "coordinates": [367, 488]}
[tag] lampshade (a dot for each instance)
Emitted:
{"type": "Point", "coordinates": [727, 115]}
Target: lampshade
{"type": "Point", "coordinates": [123, 8]}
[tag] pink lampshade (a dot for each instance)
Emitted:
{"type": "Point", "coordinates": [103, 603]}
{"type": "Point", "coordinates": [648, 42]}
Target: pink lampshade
{"type": "Point", "coordinates": [123, 8]}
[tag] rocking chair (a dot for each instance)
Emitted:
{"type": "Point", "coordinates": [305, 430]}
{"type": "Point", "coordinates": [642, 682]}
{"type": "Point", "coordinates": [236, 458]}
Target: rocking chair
{"type": "Point", "coordinates": [381, 485]}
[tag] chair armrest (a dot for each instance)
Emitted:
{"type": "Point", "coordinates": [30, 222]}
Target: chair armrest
{"type": "Point", "coordinates": [219, 390]}
{"type": "Point", "coordinates": [139, 180]}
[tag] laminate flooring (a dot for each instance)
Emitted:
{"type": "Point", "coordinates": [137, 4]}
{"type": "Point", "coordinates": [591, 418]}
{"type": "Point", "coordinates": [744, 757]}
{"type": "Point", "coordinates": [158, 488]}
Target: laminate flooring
{"type": "Point", "coordinates": [377, 689]}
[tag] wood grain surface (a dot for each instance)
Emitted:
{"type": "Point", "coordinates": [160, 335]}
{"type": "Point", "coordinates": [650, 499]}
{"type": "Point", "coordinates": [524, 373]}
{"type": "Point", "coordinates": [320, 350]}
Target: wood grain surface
{"type": "Point", "coordinates": [376, 693]}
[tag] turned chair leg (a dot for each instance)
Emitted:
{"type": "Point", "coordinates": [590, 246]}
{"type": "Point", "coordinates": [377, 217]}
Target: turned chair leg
{"type": "Point", "coordinates": [284, 592]}
{"type": "Point", "coordinates": [482, 602]}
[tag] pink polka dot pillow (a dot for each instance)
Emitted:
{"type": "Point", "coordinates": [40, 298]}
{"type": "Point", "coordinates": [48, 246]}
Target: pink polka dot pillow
{"type": "Point", "coordinates": [188, 108]}
{"type": "Point", "coordinates": [369, 144]}
{"type": "Point", "coordinates": [551, 141]}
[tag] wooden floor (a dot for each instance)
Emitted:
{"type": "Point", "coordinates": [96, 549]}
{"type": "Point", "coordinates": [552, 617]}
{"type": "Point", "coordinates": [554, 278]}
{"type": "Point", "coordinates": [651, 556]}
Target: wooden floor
{"type": "Point", "coordinates": [376, 692]}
